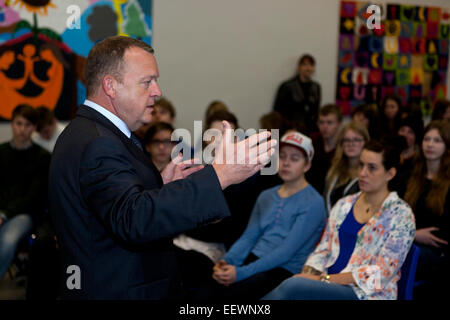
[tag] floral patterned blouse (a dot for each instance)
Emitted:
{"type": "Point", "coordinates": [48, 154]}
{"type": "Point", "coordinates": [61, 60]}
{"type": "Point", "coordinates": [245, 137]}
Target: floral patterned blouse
{"type": "Point", "coordinates": [381, 247]}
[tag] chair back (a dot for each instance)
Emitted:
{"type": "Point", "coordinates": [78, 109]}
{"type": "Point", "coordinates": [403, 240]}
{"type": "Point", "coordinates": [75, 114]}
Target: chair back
{"type": "Point", "coordinates": [407, 274]}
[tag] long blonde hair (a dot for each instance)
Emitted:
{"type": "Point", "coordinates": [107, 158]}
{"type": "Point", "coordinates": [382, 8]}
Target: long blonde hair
{"type": "Point", "coordinates": [340, 166]}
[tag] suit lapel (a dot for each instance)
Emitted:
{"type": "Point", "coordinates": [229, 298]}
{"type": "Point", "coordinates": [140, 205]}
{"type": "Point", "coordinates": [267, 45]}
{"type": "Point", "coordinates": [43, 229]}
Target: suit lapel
{"type": "Point", "coordinates": [91, 114]}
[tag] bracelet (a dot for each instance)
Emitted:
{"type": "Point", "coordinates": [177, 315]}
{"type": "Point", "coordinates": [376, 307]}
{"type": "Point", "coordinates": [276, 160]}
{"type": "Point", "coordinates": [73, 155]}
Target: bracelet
{"type": "Point", "coordinates": [325, 278]}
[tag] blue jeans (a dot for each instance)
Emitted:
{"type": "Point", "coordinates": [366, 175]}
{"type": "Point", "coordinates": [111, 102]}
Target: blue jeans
{"type": "Point", "coordinates": [12, 231]}
{"type": "Point", "coordinates": [297, 288]}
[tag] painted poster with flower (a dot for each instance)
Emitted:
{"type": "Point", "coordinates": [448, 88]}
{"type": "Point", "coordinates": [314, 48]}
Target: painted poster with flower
{"type": "Point", "coordinates": [407, 54]}
{"type": "Point", "coordinates": [44, 45]}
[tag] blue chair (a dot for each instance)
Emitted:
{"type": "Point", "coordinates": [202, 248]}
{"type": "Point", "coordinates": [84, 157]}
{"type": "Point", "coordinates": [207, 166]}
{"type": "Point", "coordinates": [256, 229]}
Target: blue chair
{"type": "Point", "coordinates": [408, 273]}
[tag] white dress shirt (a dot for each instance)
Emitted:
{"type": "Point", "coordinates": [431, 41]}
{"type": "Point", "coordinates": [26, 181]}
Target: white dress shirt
{"type": "Point", "coordinates": [122, 126]}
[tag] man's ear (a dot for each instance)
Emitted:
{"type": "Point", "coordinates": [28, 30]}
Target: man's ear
{"type": "Point", "coordinates": [109, 85]}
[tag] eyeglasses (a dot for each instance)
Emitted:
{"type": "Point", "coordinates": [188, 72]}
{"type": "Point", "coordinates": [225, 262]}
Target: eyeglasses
{"type": "Point", "coordinates": [165, 143]}
{"type": "Point", "coordinates": [354, 140]}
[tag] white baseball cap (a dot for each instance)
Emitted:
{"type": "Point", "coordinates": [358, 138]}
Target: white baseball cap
{"type": "Point", "coordinates": [299, 140]}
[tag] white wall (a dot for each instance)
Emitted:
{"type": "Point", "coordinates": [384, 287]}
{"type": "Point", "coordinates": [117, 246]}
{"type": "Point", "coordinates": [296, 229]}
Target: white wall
{"type": "Point", "coordinates": [5, 131]}
{"type": "Point", "coordinates": [239, 51]}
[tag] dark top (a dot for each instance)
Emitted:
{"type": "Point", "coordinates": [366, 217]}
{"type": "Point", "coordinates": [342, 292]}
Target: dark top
{"type": "Point", "coordinates": [333, 194]}
{"type": "Point", "coordinates": [347, 239]}
{"type": "Point", "coordinates": [320, 164]}
{"type": "Point", "coordinates": [298, 102]}
{"type": "Point", "coordinates": [385, 130]}
{"type": "Point", "coordinates": [425, 218]}
{"type": "Point", "coordinates": [23, 176]}
{"type": "Point", "coordinates": [339, 192]}
{"type": "Point", "coordinates": [400, 181]}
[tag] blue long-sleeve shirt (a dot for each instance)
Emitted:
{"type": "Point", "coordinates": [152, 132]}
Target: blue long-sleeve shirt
{"type": "Point", "coordinates": [282, 232]}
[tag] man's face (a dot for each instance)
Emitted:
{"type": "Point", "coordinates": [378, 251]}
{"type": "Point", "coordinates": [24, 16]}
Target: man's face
{"type": "Point", "coordinates": [22, 130]}
{"type": "Point", "coordinates": [134, 98]}
{"type": "Point", "coordinates": [328, 125]}
{"type": "Point", "coordinates": [306, 70]}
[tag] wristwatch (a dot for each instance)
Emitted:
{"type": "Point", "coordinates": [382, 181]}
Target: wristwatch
{"type": "Point", "coordinates": [325, 278]}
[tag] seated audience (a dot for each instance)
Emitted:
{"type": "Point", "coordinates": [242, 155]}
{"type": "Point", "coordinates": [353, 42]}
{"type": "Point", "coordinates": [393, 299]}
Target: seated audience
{"type": "Point", "coordinates": [390, 115]}
{"type": "Point", "coordinates": [23, 189]}
{"type": "Point", "coordinates": [198, 250]}
{"type": "Point", "coordinates": [163, 111]}
{"type": "Point", "coordinates": [366, 240]}
{"type": "Point", "coordinates": [48, 129]}
{"type": "Point", "coordinates": [428, 194]}
{"type": "Point", "coordinates": [298, 99]}
{"type": "Point", "coordinates": [214, 106]}
{"type": "Point", "coordinates": [240, 197]}
{"type": "Point", "coordinates": [411, 129]}
{"type": "Point", "coordinates": [441, 110]}
{"type": "Point", "coordinates": [284, 227]}
{"type": "Point", "coordinates": [413, 110]}
{"type": "Point", "coordinates": [324, 142]}
{"type": "Point", "coordinates": [273, 120]}
{"type": "Point", "coordinates": [367, 114]}
{"type": "Point", "coordinates": [342, 178]}
{"type": "Point", "coordinates": [269, 121]}
{"type": "Point", "coordinates": [214, 121]}
{"type": "Point", "coordinates": [159, 145]}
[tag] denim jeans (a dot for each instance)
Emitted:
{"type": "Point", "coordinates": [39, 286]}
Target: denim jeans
{"type": "Point", "coordinates": [12, 231]}
{"type": "Point", "coordinates": [297, 288]}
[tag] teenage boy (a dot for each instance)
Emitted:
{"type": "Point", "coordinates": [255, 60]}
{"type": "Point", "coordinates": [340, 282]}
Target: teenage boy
{"type": "Point", "coordinates": [324, 142]}
{"type": "Point", "coordinates": [23, 188]}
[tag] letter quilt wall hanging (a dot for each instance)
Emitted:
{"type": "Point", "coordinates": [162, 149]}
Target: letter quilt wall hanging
{"type": "Point", "coordinates": [44, 45]}
{"type": "Point", "coordinates": [392, 49]}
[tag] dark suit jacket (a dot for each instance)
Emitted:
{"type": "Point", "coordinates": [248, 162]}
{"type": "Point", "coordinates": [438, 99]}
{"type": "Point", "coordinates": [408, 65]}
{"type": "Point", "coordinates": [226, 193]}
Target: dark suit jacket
{"type": "Point", "coordinates": [113, 216]}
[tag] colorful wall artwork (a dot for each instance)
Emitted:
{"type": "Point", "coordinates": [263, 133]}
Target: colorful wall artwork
{"type": "Point", "coordinates": [44, 44]}
{"type": "Point", "coordinates": [407, 54]}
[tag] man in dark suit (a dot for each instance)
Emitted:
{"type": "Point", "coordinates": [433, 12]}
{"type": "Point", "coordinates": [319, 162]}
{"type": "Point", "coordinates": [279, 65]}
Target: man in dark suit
{"type": "Point", "coordinates": [113, 212]}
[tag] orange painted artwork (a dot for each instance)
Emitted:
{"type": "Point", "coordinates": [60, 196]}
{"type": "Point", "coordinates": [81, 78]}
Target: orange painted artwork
{"type": "Point", "coordinates": [49, 90]}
